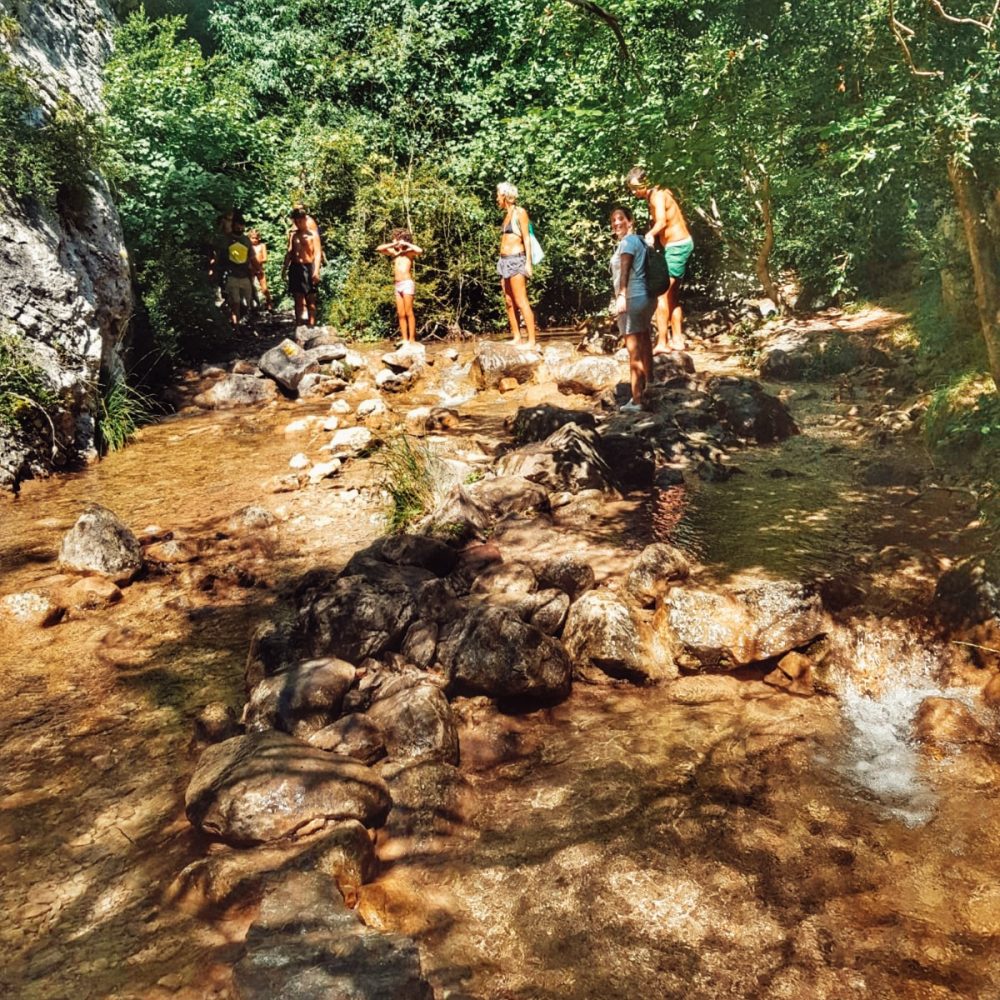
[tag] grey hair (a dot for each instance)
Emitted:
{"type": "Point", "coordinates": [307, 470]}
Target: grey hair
{"type": "Point", "coordinates": [507, 190]}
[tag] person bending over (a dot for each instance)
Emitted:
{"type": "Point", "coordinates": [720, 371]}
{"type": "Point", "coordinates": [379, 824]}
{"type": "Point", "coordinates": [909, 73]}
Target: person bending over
{"type": "Point", "coordinates": [402, 250]}
{"type": "Point", "coordinates": [302, 267]}
{"type": "Point", "coordinates": [514, 265]}
{"type": "Point", "coordinates": [670, 231]}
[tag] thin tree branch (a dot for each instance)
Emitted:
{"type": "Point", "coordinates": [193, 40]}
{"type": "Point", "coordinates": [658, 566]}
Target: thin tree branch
{"type": "Point", "coordinates": [982, 25]}
{"type": "Point", "coordinates": [610, 20]}
{"type": "Point", "coordinates": [901, 32]}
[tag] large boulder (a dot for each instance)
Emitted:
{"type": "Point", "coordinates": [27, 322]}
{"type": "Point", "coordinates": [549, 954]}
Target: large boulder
{"type": "Point", "coordinates": [499, 496]}
{"type": "Point", "coordinates": [588, 375]}
{"type": "Point", "coordinates": [726, 629]}
{"type": "Point", "coordinates": [416, 722]}
{"type": "Point", "coordinates": [287, 364]}
{"type": "Point", "coordinates": [307, 945]}
{"type": "Point", "coordinates": [536, 423]}
{"type": "Point", "coordinates": [968, 593]}
{"type": "Point", "coordinates": [656, 569]}
{"type": "Point", "coordinates": [604, 634]}
{"type": "Point", "coordinates": [429, 801]}
{"type": "Point", "coordinates": [569, 573]}
{"type": "Point", "coordinates": [357, 616]}
{"type": "Point", "coordinates": [301, 700]}
{"type": "Point", "coordinates": [632, 457]}
{"type": "Point", "coordinates": [100, 542]}
{"type": "Point", "coordinates": [354, 735]}
{"type": "Point", "coordinates": [495, 362]}
{"type": "Point", "coordinates": [748, 412]}
{"type": "Point", "coordinates": [406, 358]}
{"type": "Point", "coordinates": [570, 459]}
{"type": "Point", "coordinates": [267, 786]}
{"type": "Point", "coordinates": [237, 390]}
{"type": "Point", "coordinates": [492, 651]}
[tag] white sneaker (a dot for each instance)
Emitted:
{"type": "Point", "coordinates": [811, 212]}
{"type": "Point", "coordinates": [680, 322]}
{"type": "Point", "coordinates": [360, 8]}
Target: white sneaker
{"type": "Point", "coordinates": [630, 407]}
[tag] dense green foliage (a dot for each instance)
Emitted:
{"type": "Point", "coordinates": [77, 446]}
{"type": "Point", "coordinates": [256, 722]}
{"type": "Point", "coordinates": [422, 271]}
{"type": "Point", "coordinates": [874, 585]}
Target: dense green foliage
{"type": "Point", "coordinates": [23, 385]}
{"type": "Point", "coordinates": [45, 153]}
{"type": "Point", "coordinates": [806, 120]}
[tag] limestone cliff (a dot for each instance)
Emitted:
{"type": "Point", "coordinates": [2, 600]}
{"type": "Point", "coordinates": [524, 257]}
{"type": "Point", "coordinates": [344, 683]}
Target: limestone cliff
{"type": "Point", "coordinates": [65, 286]}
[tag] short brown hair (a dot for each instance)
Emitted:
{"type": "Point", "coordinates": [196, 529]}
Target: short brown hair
{"type": "Point", "coordinates": [402, 234]}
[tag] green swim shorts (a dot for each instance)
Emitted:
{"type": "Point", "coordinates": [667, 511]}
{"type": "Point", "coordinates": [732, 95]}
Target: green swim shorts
{"type": "Point", "coordinates": [677, 255]}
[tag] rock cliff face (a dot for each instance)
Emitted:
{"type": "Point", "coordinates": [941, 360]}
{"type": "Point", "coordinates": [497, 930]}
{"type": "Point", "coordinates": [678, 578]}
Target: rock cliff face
{"type": "Point", "coordinates": [65, 286]}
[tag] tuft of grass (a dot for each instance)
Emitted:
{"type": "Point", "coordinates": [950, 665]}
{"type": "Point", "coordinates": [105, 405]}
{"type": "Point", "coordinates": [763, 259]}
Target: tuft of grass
{"type": "Point", "coordinates": [409, 477]}
{"type": "Point", "coordinates": [123, 409]}
{"type": "Point", "coordinates": [23, 384]}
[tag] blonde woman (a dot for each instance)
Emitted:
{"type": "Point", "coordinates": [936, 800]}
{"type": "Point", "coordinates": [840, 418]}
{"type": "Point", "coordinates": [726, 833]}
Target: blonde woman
{"type": "Point", "coordinates": [514, 265]}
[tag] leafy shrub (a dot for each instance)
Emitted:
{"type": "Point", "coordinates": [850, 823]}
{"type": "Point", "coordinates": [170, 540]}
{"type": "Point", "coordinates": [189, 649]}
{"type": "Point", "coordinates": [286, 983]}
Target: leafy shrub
{"type": "Point", "coordinates": [23, 384]}
{"type": "Point", "coordinates": [410, 474]}
{"type": "Point", "coordinates": [962, 422]}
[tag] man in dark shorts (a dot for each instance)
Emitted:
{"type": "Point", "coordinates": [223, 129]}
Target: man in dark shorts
{"type": "Point", "coordinates": [302, 266]}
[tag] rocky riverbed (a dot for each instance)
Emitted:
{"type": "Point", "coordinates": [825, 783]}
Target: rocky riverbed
{"type": "Point", "coordinates": [642, 705]}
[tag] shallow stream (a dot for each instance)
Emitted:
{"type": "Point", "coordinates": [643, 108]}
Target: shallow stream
{"type": "Point", "coordinates": [714, 838]}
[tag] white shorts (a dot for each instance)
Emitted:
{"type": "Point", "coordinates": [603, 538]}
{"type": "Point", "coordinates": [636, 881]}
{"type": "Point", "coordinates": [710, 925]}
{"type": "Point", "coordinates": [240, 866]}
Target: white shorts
{"type": "Point", "coordinates": [406, 287]}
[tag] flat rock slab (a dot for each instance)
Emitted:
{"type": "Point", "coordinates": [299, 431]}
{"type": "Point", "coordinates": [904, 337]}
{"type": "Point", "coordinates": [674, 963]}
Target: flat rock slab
{"type": "Point", "coordinates": [495, 362]}
{"type": "Point", "coordinates": [266, 786]}
{"type": "Point", "coordinates": [100, 542]}
{"type": "Point", "coordinates": [237, 390]}
{"type": "Point", "coordinates": [287, 364]}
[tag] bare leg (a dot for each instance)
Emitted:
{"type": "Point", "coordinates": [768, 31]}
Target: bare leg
{"type": "Point", "coordinates": [401, 316]}
{"type": "Point", "coordinates": [508, 300]}
{"type": "Point", "coordinates": [519, 289]}
{"type": "Point", "coordinates": [637, 344]}
{"type": "Point", "coordinates": [646, 342]}
{"type": "Point", "coordinates": [662, 318]}
{"type": "Point", "coordinates": [411, 320]}
{"type": "Point", "coordinates": [311, 304]}
{"type": "Point", "coordinates": [301, 310]}
{"type": "Point", "coordinates": [675, 314]}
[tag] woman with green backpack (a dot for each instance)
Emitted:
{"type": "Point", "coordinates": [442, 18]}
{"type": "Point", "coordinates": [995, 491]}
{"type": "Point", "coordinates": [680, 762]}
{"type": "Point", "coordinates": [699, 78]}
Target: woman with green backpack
{"type": "Point", "coordinates": [634, 305]}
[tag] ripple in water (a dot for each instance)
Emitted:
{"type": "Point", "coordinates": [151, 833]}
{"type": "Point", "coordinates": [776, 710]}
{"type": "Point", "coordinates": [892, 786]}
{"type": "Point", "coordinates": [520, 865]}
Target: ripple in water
{"type": "Point", "coordinates": [892, 674]}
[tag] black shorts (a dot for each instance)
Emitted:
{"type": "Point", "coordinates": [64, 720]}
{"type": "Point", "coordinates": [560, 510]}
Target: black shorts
{"type": "Point", "coordinates": [300, 279]}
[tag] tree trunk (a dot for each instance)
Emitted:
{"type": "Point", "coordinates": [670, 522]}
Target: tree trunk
{"type": "Point", "coordinates": [764, 252]}
{"type": "Point", "coordinates": [982, 256]}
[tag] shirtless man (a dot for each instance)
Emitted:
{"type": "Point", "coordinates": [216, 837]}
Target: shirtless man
{"type": "Point", "coordinates": [401, 249]}
{"type": "Point", "coordinates": [671, 232]}
{"type": "Point", "coordinates": [301, 267]}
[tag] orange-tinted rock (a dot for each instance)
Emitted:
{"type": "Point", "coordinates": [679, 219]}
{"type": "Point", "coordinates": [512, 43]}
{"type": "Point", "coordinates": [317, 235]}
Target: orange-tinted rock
{"type": "Point", "coordinates": [792, 674]}
{"type": "Point", "coordinates": [31, 609]}
{"type": "Point", "coordinates": [945, 720]}
{"type": "Point", "coordinates": [507, 384]}
{"type": "Point", "coordinates": [92, 593]}
{"type": "Point", "coordinates": [991, 693]}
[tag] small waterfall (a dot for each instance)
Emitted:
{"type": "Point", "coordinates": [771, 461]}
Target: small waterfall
{"type": "Point", "coordinates": [892, 672]}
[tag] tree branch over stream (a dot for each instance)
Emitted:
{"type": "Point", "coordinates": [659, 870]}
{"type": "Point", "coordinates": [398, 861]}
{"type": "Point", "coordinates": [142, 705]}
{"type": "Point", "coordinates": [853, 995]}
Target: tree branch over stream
{"type": "Point", "coordinates": [610, 20]}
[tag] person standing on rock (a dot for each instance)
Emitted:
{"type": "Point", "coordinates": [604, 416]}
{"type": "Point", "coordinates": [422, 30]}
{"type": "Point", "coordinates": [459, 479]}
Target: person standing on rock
{"type": "Point", "coordinates": [670, 232]}
{"type": "Point", "coordinates": [235, 259]}
{"type": "Point", "coordinates": [633, 307]}
{"type": "Point", "coordinates": [515, 264]}
{"type": "Point", "coordinates": [301, 268]}
{"type": "Point", "coordinates": [402, 250]}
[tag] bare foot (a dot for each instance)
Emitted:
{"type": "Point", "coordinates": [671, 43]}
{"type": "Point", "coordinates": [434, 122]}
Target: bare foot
{"type": "Point", "coordinates": [678, 346]}
{"type": "Point", "coordinates": [661, 349]}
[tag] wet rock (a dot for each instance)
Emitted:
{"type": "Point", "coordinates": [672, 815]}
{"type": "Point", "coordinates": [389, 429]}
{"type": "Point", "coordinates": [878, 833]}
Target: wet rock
{"type": "Point", "coordinates": [603, 634]}
{"type": "Point", "coordinates": [668, 478]}
{"type": "Point", "coordinates": [536, 423]}
{"type": "Point", "coordinates": [237, 390]}
{"type": "Point", "coordinates": [101, 543]}
{"type": "Point", "coordinates": [420, 643]}
{"type": "Point", "coordinates": [968, 593]}
{"type": "Point", "coordinates": [705, 689]}
{"type": "Point", "coordinates": [748, 412]}
{"type": "Point", "coordinates": [215, 722]}
{"type": "Point", "coordinates": [229, 877]}
{"type": "Point", "coordinates": [494, 362]}
{"type": "Point", "coordinates": [589, 376]}
{"type": "Point", "coordinates": [632, 458]}
{"type": "Point", "coordinates": [390, 381]}
{"type": "Point", "coordinates": [406, 358]}
{"type": "Point", "coordinates": [306, 945]}
{"type": "Point", "coordinates": [267, 786]}
{"type": "Point", "coordinates": [91, 594]}
{"type": "Point", "coordinates": [416, 723]}
{"type": "Point", "coordinates": [570, 459]}
{"type": "Point", "coordinates": [302, 699]}
{"type": "Point", "coordinates": [31, 609]}
{"type": "Point", "coordinates": [491, 651]}
{"type": "Point", "coordinates": [428, 799]}
{"type": "Point", "coordinates": [891, 474]}
{"type": "Point", "coordinates": [318, 385]}
{"type": "Point", "coordinates": [350, 441]}
{"type": "Point", "coordinates": [506, 578]}
{"type": "Point", "coordinates": [287, 364]}
{"type": "Point", "coordinates": [250, 518]}
{"type": "Point", "coordinates": [243, 367]}
{"type": "Point", "coordinates": [656, 569]}
{"type": "Point", "coordinates": [500, 496]}
{"type": "Point", "coordinates": [728, 629]}
{"type": "Point", "coordinates": [792, 674]}
{"type": "Point", "coordinates": [357, 617]}
{"type": "Point", "coordinates": [568, 573]}
{"type": "Point", "coordinates": [173, 552]}
{"type": "Point", "coordinates": [276, 646]}
{"type": "Point", "coordinates": [945, 720]}
{"type": "Point", "coordinates": [545, 609]}
{"type": "Point", "coordinates": [354, 735]}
